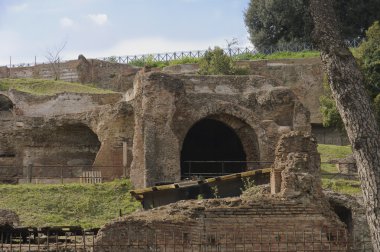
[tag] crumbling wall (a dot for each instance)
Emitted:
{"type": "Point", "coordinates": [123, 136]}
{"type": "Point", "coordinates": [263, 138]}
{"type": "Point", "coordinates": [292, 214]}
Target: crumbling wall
{"type": "Point", "coordinates": [255, 220]}
{"type": "Point", "coordinates": [296, 170]}
{"type": "Point", "coordinates": [351, 211]}
{"type": "Point", "coordinates": [107, 75]}
{"type": "Point", "coordinates": [7, 143]}
{"type": "Point", "coordinates": [167, 106]}
{"type": "Point", "coordinates": [102, 74]}
{"type": "Point", "coordinates": [78, 130]}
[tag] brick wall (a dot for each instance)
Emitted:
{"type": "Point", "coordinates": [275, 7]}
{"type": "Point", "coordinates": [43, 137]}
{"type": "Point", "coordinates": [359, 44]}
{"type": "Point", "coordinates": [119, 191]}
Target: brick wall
{"type": "Point", "coordinates": [263, 222]}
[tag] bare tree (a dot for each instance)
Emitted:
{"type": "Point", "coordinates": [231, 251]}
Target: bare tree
{"type": "Point", "coordinates": [53, 55]}
{"type": "Point", "coordinates": [347, 86]}
{"type": "Point", "coordinates": [230, 44]}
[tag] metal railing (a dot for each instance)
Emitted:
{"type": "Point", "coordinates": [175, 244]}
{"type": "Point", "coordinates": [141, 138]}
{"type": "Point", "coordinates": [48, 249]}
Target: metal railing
{"type": "Point", "coordinates": [85, 173]}
{"type": "Point", "coordinates": [57, 173]}
{"type": "Point", "coordinates": [247, 239]}
{"type": "Point", "coordinates": [193, 168]}
{"type": "Point", "coordinates": [169, 56]}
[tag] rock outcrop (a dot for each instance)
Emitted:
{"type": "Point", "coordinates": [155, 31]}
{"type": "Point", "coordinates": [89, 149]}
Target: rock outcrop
{"type": "Point", "coordinates": [9, 218]}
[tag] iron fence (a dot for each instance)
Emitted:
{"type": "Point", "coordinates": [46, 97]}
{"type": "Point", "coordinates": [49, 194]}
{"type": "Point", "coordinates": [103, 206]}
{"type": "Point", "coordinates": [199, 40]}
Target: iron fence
{"type": "Point", "coordinates": [97, 174]}
{"type": "Point", "coordinates": [252, 239]}
{"type": "Point", "coordinates": [202, 169]}
{"type": "Point", "coordinates": [169, 56]}
{"type": "Point", "coordinates": [60, 173]}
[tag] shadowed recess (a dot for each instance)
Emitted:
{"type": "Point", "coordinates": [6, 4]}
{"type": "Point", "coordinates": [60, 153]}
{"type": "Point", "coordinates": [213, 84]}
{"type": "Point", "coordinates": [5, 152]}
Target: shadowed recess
{"type": "Point", "coordinates": [211, 140]}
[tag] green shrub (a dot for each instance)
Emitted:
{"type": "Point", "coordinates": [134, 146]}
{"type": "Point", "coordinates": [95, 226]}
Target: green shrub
{"type": "Point", "coordinates": [368, 58]}
{"type": "Point", "coordinates": [277, 55]}
{"type": "Point", "coordinates": [148, 61]}
{"type": "Point", "coordinates": [216, 62]}
{"type": "Point", "coordinates": [184, 60]}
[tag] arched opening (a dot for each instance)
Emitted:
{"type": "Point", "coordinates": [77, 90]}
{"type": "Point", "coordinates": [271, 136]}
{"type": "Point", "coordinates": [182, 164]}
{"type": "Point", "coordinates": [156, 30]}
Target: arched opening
{"type": "Point", "coordinates": [65, 150]}
{"type": "Point", "coordinates": [5, 103]}
{"type": "Point", "coordinates": [7, 148]}
{"type": "Point", "coordinates": [344, 213]}
{"type": "Point", "coordinates": [207, 144]}
{"type": "Point", "coordinates": [6, 106]}
{"type": "Point", "coordinates": [69, 144]}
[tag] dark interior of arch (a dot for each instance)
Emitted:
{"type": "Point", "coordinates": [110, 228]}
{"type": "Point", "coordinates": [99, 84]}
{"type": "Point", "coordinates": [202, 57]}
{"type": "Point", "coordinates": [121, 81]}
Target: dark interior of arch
{"type": "Point", "coordinates": [211, 140]}
{"type": "Point", "coordinates": [69, 144]}
{"type": "Point", "coordinates": [5, 103]}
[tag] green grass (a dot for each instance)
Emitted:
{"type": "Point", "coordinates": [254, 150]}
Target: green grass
{"type": "Point", "coordinates": [278, 55]}
{"type": "Point", "coordinates": [48, 87]}
{"type": "Point", "coordinates": [150, 62]}
{"type": "Point", "coordinates": [329, 152]}
{"type": "Point", "coordinates": [70, 204]}
{"type": "Point", "coordinates": [340, 185]}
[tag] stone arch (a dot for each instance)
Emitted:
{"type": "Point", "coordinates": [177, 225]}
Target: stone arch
{"type": "Point", "coordinates": [7, 142]}
{"type": "Point", "coordinates": [6, 106]}
{"type": "Point", "coordinates": [69, 144]}
{"type": "Point", "coordinates": [236, 132]}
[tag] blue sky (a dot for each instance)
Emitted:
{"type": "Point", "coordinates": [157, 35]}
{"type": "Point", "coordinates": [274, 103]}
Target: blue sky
{"type": "Point", "coordinates": [97, 28]}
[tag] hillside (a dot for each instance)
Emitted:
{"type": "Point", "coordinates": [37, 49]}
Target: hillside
{"type": "Point", "coordinates": [48, 87]}
{"type": "Point", "coordinates": [70, 204]}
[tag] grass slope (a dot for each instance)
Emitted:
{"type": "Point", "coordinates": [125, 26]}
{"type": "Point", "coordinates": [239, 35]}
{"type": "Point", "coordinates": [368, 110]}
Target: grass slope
{"type": "Point", "coordinates": [71, 204]}
{"type": "Point", "coordinates": [48, 87]}
{"type": "Point", "coordinates": [150, 62]}
{"type": "Point", "coordinates": [94, 205]}
{"type": "Point", "coordinates": [329, 181]}
{"type": "Point", "coordinates": [278, 55]}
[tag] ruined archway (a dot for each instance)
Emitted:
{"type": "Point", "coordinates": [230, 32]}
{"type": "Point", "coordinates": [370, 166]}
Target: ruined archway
{"type": "Point", "coordinates": [7, 149]}
{"type": "Point", "coordinates": [207, 143]}
{"type": "Point", "coordinates": [60, 150]}
{"type": "Point", "coordinates": [6, 106]}
{"type": "Point", "coordinates": [67, 144]}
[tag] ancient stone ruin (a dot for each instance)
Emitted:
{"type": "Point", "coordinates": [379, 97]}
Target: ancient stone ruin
{"type": "Point", "coordinates": [297, 216]}
{"type": "Point", "coordinates": [150, 132]}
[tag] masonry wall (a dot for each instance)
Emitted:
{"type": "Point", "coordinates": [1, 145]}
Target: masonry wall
{"type": "Point", "coordinates": [166, 106]}
{"type": "Point", "coordinates": [103, 74]}
{"type": "Point", "coordinates": [257, 224]}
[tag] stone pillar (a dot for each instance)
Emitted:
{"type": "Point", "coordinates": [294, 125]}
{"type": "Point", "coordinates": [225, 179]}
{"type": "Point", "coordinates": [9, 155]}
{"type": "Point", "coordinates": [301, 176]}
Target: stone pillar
{"type": "Point", "coordinates": [299, 162]}
{"type": "Point", "coordinates": [275, 181]}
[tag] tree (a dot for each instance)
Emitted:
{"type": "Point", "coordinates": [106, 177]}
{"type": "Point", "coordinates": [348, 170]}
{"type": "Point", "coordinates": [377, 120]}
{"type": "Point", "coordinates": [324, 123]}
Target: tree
{"type": "Point", "coordinates": [368, 58]}
{"type": "Point", "coordinates": [348, 89]}
{"type": "Point", "coordinates": [278, 22]}
{"type": "Point", "coordinates": [368, 55]}
{"type": "Point", "coordinates": [54, 58]}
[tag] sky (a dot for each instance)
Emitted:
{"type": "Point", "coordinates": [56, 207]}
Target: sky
{"type": "Point", "coordinates": [102, 28]}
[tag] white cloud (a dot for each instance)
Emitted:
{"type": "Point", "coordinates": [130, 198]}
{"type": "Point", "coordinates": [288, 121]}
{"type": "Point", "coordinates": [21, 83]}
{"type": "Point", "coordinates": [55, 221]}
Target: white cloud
{"type": "Point", "coordinates": [99, 19]}
{"type": "Point", "coordinates": [18, 7]}
{"type": "Point", "coordinates": [66, 22]}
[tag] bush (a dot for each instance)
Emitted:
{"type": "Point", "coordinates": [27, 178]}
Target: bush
{"type": "Point", "coordinates": [330, 114]}
{"type": "Point", "coordinates": [148, 61]}
{"type": "Point", "coordinates": [184, 60]}
{"type": "Point", "coordinates": [368, 54]}
{"type": "Point", "coordinates": [216, 62]}
{"type": "Point", "coordinates": [368, 58]}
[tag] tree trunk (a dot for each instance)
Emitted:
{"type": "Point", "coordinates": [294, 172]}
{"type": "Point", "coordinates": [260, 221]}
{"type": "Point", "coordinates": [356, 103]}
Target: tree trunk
{"type": "Point", "coordinates": [347, 86]}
